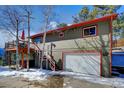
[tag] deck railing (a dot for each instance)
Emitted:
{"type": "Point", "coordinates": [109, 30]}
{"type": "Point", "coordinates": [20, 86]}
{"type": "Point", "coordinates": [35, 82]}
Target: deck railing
{"type": "Point", "coordinates": [11, 44]}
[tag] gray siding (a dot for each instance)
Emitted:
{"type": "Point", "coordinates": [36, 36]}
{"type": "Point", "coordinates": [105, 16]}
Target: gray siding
{"type": "Point", "coordinates": [103, 28]}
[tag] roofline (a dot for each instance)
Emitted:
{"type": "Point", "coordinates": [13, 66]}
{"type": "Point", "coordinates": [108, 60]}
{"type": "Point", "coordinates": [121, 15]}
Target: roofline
{"type": "Point", "coordinates": [105, 18]}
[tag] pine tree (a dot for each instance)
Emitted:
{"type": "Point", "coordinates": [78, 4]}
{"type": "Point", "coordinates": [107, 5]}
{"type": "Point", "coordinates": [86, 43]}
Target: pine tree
{"type": "Point", "coordinates": [83, 15]}
{"type": "Point", "coordinates": [107, 9]}
{"type": "Point", "coordinates": [61, 25]}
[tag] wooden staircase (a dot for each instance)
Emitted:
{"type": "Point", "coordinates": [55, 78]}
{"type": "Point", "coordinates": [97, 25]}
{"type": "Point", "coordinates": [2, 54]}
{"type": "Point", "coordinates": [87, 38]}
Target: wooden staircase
{"type": "Point", "coordinates": [50, 60]}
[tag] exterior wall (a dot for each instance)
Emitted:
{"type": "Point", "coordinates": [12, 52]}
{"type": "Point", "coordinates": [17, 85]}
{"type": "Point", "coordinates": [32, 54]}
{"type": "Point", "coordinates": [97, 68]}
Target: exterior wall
{"type": "Point", "coordinates": [103, 29]}
{"type": "Point", "coordinates": [73, 41]}
{"type": "Point", "coordinates": [90, 43]}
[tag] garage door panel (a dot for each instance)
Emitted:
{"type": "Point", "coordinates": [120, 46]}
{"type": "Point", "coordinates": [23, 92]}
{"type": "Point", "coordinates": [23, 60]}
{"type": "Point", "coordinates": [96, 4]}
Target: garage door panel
{"type": "Point", "coordinates": [82, 63]}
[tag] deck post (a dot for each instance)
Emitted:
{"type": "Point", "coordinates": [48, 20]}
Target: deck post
{"type": "Point", "coordinates": [22, 60]}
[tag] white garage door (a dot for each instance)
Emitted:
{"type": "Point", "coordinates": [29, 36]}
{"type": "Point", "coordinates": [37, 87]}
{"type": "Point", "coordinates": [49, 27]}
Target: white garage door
{"type": "Point", "coordinates": [82, 63]}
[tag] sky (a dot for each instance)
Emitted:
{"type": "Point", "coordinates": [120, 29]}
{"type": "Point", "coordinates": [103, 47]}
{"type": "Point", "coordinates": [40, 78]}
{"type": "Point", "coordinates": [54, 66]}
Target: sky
{"type": "Point", "coordinates": [63, 13]}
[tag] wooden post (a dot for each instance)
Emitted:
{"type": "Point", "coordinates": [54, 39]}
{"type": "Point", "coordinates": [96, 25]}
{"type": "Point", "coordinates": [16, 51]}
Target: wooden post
{"type": "Point", "coordinates": [27, 59]}
{"type": "Point", "coordinates": [22, 59]}
{"type": "Point", "coordinates": [39, 55]}
{"type": "Point", "coordinates": [9, 59]}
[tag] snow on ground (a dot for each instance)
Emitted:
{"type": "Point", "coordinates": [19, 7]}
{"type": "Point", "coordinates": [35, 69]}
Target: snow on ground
{"type": "Point", "coordinates": [114, 82]}
{"type": "Point", "coordinates": [37, 74]}
{"type": "Point", "coordinates": [32, 74]}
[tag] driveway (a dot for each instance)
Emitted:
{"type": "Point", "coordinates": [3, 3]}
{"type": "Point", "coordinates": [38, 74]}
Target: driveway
{"type": "Point", "coordinates": [50, 82]}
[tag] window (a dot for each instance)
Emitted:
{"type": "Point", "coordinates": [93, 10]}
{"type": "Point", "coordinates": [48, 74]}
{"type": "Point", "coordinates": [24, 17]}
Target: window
{"type": "Point", "coordinates": [89, 31]}
{"type": "Point", "coordinates": [61, 35]}
{"type": "Point", "coordinates": [37, 40]}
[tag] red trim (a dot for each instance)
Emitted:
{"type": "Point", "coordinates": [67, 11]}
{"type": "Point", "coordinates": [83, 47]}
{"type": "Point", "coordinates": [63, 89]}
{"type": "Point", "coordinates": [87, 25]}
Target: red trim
{"type": "Point", "coordinates": [83, 51]}
{"type": "Point", "coordinates": [105, 18]}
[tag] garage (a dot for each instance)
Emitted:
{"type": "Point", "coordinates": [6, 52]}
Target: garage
{"type": "Point", "coordinates": [87, 63]}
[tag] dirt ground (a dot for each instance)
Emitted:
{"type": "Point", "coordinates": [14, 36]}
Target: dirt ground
{"type": "Point", "coordinates": [50, 82]}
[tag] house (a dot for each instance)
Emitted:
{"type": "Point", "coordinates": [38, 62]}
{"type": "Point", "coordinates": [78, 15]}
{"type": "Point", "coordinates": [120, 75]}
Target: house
{"type": "Point", "coordinates": [84, 47]}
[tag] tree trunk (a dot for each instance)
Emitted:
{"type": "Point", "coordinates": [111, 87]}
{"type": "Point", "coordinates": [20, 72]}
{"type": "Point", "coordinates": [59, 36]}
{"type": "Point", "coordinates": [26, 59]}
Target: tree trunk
{"type": "Point", "coordinates": [28, 41]}
{"type": "Point", "coordinates": [44, 37]}
{"type": "Point", "coordinates": [17, 54]}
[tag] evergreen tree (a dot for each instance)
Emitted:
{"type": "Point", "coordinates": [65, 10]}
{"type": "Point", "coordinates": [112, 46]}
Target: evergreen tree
{"type": "Point", "coordinates": [118, 26]}
{"type": "Point", "coordinates": [107, 9]}
{"type": "Point", "coordinates": [94, 13]}
{"type": "Point", "coordinates": [61, 25]}
{"type": "Point", "coordinates": [82, 16]}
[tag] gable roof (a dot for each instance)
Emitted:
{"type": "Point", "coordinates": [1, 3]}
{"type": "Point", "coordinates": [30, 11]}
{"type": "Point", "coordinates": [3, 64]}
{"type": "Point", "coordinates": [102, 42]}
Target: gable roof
{"type": "Point", "coordinates": [105, 18]}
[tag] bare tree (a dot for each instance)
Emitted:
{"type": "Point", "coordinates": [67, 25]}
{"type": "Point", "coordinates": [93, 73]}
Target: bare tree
{"type": "Point", "coordinates": [47, 16]}
{"type": "Point", "coordinates": [11, 21]}
{"type": "Point", "coordinates": [28, 14]}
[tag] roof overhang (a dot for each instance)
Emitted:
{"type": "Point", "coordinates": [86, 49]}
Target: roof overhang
{"type": "Point", "coordinates": [102, 19]}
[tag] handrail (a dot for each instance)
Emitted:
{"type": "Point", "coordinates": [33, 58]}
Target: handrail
{"type": "Point", "coordinates": [51, 61]}
{"type": "Point", "coordinates": [36, 46]}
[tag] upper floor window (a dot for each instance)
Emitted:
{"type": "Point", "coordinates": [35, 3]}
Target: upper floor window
{"type": "Point", "coordinates": [89, 31]}
{"type": "Point", "coordinates": [61, 35]}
